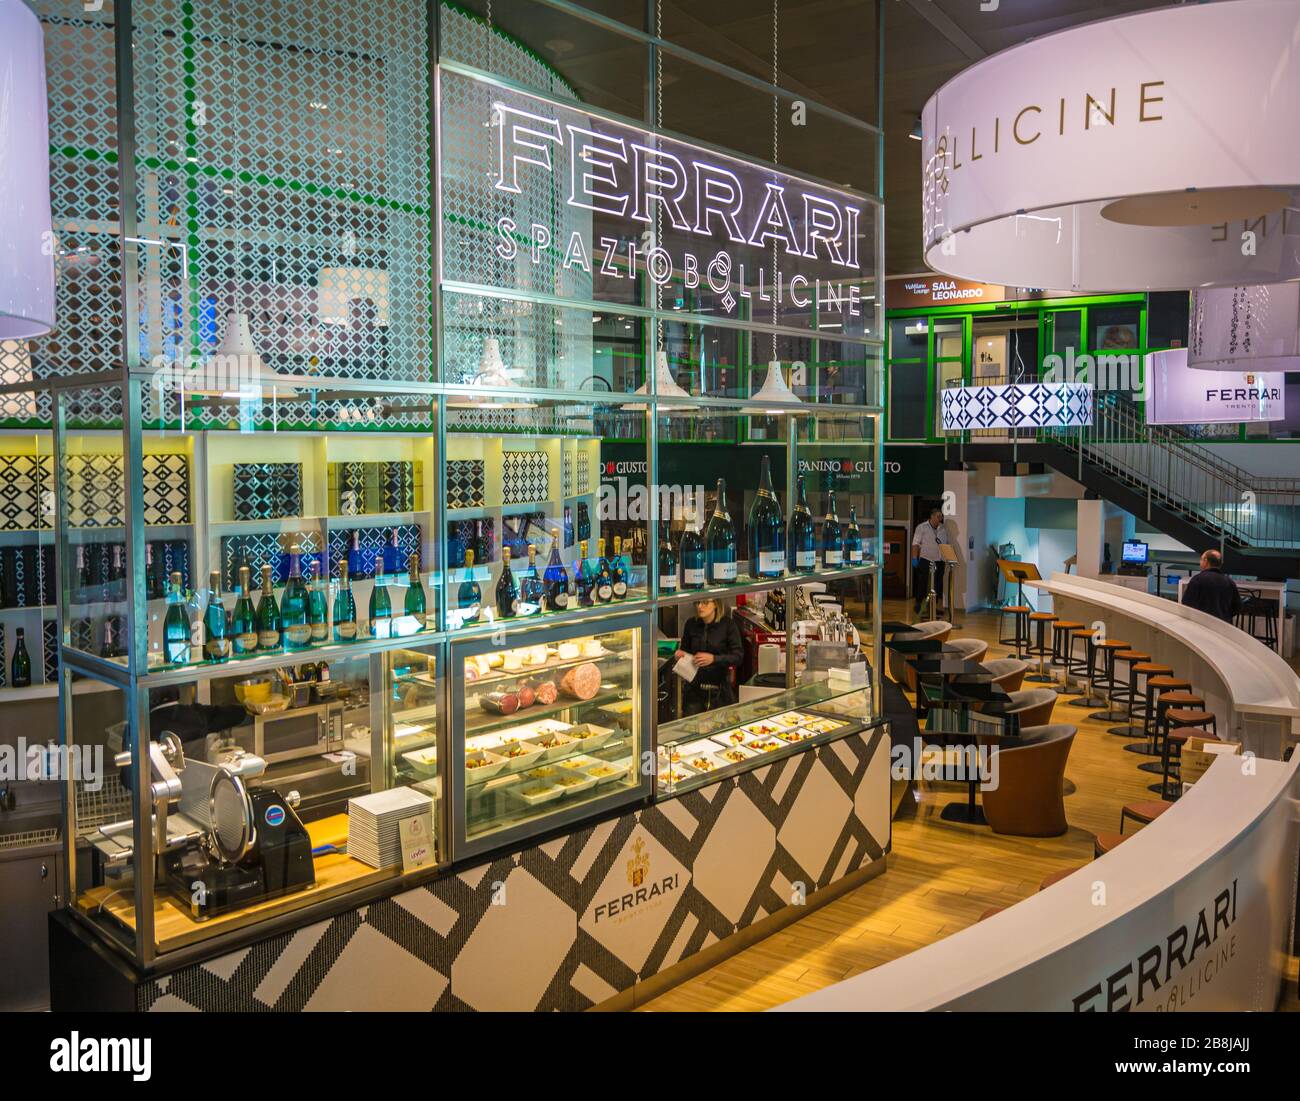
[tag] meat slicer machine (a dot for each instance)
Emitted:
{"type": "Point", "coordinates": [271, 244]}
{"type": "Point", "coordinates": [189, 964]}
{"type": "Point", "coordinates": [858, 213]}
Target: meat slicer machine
{"type": "Point", "coordinates": [220, 845]}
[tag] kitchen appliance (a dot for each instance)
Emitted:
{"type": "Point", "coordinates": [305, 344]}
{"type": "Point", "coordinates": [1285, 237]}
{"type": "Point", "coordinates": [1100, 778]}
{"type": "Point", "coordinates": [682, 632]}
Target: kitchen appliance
{"type": "Point", "coordinates": [221, 845]}
{"type": "Point", "coordinates": [294, 733]}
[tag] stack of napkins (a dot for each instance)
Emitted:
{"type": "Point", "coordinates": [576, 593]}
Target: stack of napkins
{"type": "Point", "coordinates": [374, 821]}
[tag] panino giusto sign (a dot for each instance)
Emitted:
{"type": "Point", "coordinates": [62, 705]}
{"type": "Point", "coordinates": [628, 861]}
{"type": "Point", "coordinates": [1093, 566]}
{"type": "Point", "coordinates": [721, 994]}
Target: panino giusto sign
{"type": "Point", "coordinates": [563, 201]}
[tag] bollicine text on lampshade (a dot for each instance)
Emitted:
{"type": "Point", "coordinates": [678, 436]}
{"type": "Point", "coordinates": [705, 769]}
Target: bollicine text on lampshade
{"type": "Point", "coordinates": [26, 237]}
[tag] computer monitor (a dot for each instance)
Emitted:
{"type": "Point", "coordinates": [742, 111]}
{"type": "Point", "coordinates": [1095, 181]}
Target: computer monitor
{"type": "Point", "coordinates": [1135, 552]}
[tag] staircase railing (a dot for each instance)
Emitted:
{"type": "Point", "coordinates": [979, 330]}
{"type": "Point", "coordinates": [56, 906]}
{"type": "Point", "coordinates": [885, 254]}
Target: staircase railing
{"type": "Point", "coordinates": [1178, 473]}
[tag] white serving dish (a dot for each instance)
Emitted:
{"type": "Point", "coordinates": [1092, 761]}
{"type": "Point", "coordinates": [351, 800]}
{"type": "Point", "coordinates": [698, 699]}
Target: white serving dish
{"type": "Point", "coordinates": [537, 794]}
{"type": "Point", "coordinates": [491, 766]}
{"type": "Point", "coordinates": [619, 771]}
{"type": "Point", "coordinates": [575, 781]}
{"type": "Point", "coordinates": [724, 761]}
{"type": "Point", "coordinates": [551, 752]}
{"type": "Point", "coordinates": [423, 761]}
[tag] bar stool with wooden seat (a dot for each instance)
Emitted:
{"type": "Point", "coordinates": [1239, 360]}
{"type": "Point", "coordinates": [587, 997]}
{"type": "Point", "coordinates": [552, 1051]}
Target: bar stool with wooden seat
{"type": "Point", "coordinates": [1020, 639]}
{"type": "Point", "coordinates": [1138, 695]}
{"type": "Point", "coordinates": [1143, 812]}
{"type": "Point", "coordinates": [1156, 684]}
{"type": "Point", "coordinates": [1171, 700]}
{"type": "Point", "coordinates": [1063, 631]}
{"type": "Point", "coordinates": [1038, 647]}
{"type": "Point", "coordinates": [1175, 739]}
{"type": "Point", "coordinates": [1122, 695]}
{"type": "Point", "coordinates": [1105, 680]}
{"type": "Point", "coordinates": [1090, 651]}
{"type": "Point", "coordinates": [1056, 877]}
{"type": "Point", "coordinates": [1104, 842]}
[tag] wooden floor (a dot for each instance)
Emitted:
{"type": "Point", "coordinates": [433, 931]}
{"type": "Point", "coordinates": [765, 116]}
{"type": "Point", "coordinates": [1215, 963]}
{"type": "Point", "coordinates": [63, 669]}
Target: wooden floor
{"type": "Point", "coordinates": [940, 876]}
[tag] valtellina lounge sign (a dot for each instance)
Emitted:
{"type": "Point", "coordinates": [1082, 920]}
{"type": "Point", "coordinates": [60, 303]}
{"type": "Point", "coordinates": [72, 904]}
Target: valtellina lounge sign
{"type": "Point", "coordinates": [618, 200]}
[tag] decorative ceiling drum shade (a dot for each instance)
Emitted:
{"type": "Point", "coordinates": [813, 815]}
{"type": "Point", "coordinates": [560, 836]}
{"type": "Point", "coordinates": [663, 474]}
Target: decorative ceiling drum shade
{"type": "Point", "coordinates": [1103, 158]}
{"type": "Point", "coordinates": [26, 237]}
{"type": "Point", "coordinates": [1245, 328]}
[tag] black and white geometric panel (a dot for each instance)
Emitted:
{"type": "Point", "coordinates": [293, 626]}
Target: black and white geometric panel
{"type": "Point", "coordinates": [50, 650]}
{"type": "Point", "coordinates": [525, 477]}
{"type": "Point", "coordinates": [25, 493]}
{"type": "Point", "coordinates": [586, 915]}
{"type": "Point", "coordinates": [583, 479]}
{"type": "Point", "coordinates": [166, 489]}
{"type": "Point", "coordinates": [267, 491]}
{"type": "Point", "coordinates": [269, 549]}
{"type": "Point", "coordinates": [96, 491]}
{"type": "Point", "coordinates": [466, 483]}
{"type": "Point", "coordinates": [371, 542]}
{"type": "Point", "coordinates": [1017, 405]}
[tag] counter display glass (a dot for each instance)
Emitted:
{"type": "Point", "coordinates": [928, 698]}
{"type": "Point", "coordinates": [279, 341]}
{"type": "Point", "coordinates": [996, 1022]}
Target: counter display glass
{"type": "Point", "coordinates": [699, 749]}
{"type": "Point", "coordinates": [551, 728]}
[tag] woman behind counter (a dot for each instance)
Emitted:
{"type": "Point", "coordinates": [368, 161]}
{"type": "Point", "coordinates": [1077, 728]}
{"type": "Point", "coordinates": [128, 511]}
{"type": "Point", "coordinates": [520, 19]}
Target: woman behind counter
{"type": "Point", "coordinates": [712, 639]}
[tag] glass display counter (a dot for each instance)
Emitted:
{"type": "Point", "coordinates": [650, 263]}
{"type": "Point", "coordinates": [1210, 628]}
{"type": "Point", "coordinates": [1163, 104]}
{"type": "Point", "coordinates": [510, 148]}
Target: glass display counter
{"type": "Point", "coordinates": [699, 749]}
{"type": "Point", "coordinates": [550, 727]}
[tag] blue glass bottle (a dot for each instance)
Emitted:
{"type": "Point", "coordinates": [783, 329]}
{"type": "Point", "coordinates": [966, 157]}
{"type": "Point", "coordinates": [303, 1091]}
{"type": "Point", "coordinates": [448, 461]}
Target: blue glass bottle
{"type": "Point", "coordinates": [832, 535]}
{"type": "Point", "coordinates": [803, 541]}
{"type": "Point", "coordinates": [293, 605]}
{"type": "Point", "coordinates": [586, 577]}
{"type": "Point", "coordinates": [720, 541]}
{"type": "Point", "coordinates": [176, 624]}
{"type": "Point", "coordinates": [691, 552]}
{"type": "Point", "coordinates": [766, 529]}
{"type": "Point", "coordinates": [620, 571]}
{"type": "Point", "coordinates": [555, 582]}
{"type": "Point", "coordinates": [216, 639]}
{"type": "Point", "coordinates": [853, 539]}
{"type": "Point", "coordinates": [604, 575]}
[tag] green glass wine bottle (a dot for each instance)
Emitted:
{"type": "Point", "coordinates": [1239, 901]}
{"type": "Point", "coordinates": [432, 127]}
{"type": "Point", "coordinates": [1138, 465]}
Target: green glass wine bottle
{"type": "Point", "coordinates": [293, 605]}
{"type": "Point", "coordinates": [176, 624]}
{"type": "Point", "coordinates": [20, 669]}
{"type": "Point", "coordinates": [414, 605]}
{"type": "Point", "coordinates": [380, 612]}
{"type": "Point", "coordinates": [243, 623]}
{"type": "Point", "coordinates": [269, 626]}
{"type": "Point", "coordinates": [216, 640]}
{"type": "Point", "coordinates": [345, 608]}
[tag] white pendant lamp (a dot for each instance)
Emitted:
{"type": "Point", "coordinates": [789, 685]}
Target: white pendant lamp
{"type": "Point", "coordinates": [1249, 329]}
{"type": "Point", "coordinates": [775, 389]}
{"type": "Point", "coordinates": [493, 373]}
{"type": "Point", "coordinates": [26, 237]}
{"type": "Point", "coordinates": [665, 385]}
{"type": "Point", "coordinates": [235, 370]}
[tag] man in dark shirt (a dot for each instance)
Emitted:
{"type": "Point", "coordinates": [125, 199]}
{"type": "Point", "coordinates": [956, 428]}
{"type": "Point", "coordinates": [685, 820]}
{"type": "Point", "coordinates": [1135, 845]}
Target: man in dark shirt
{"type": "Point", "coordinates": [1213, 591]}
{"type": "Point", "coordinates": [712, 639]}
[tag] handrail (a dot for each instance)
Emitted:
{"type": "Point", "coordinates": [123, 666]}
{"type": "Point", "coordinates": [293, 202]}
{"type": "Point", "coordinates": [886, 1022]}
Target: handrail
{"type": "Point", "coordinates": [1175, 470]}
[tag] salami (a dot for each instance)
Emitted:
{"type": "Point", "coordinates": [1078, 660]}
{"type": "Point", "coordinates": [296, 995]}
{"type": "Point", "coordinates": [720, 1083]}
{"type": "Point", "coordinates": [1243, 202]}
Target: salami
{"type": "Point", "coordinates": [581, 682]}
{"type": "Point", "coordinates": [499, 703]}
{"type": "Point", "coordinates": [527, 696]}
{"type": "Point", "coordinates": [547, 693]}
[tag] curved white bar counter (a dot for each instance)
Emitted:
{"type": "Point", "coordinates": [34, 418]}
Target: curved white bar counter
{"type": "Point", "coordinates": [1252, 690]}
{"type": "Point", "coordinates": [1194, 912]}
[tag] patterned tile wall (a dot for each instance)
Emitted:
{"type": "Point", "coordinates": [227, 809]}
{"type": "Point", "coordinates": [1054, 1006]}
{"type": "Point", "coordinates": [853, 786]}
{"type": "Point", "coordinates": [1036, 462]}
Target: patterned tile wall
{"type": "Point", "coordinates": [592, 912]}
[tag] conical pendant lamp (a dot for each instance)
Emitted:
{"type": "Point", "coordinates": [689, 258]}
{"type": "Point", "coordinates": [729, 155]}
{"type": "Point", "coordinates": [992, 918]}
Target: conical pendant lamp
{"type": "Point", "coordinates": [235, 370]}
{"type": "Point", "coordinates": [665, 385]}
{"type": "Point", "coordinates": [775, 389]}
{"type": "Point", "coordinates": [492, 372]}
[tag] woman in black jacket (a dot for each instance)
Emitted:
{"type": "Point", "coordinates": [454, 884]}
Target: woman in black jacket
{"type": "Point", "coordinates": [712, 639]}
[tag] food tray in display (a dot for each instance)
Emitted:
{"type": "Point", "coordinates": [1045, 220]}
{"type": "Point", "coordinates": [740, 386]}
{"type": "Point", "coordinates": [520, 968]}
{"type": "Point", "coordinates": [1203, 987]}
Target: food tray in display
{"type": "Point", "coordinates": [732, 737]}
{"type": "Point", "coordinates": [574, 780]}
{"type": "Point", "coordinates": [677, 775]}
{"type": "Point", "coordinates": [589, 736]}
{"type": "Point", "coordinates": [762, 729]}
{"type": "Point", "coordinates": [607, 771]}
{"type": "Point", "coordinates": [795, 735]}
{"type": "Point", "coordinates": [765, 745]}
{"type": "Point", "coordinates": [733, 755]}
{"type": "Point", "coordinates": [481, 765]}
{"type": "Point", "coordinates": [553, 744]}
{"type": "Point", "coordinates": [537, 794]}
{"type": "Point", "coordinates": [695, 749]}
{"type": "Point", "coordinates": [423, 761]}
{"type": "Point", "coordinates": [520, 755]}
{"type": "Point", "coordinates": [704, 763]}
{"type": "Point", "coordinates": [819, 725]}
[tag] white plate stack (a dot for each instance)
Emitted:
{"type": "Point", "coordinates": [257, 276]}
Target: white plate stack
{"type": "Point", "coordinates": [374, 821]}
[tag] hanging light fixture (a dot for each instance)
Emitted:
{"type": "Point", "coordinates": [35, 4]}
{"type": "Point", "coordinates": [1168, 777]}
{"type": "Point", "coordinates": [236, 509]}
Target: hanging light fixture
{"type": "Point", "coordinates": [775, 389]}
{"type": "Point", "coordinates": [236, 371]}
{"type": "Point", "coordinates": [1245, 328]}
{"type": "Point", "coordinates": [492, 373]}
{"type": "Point", "coordinates": [665, 386]}
{"type": "Point", "coordinates": [26, 238]}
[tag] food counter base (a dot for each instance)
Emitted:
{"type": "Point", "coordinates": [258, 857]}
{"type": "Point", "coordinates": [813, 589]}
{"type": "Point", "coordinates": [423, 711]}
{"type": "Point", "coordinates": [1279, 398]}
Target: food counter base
{"type": "Point", "coordinates": [568, 924]}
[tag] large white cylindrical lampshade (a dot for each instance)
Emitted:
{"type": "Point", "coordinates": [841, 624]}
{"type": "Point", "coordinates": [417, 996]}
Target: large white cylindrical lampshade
{"type": "Point", "coordinates": [26, 252]}
{"type": "Point", "coordinates": [1245, 328]}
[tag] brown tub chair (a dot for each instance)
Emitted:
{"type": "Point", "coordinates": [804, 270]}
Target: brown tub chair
{"type": "Point", "coordinates": [1030, 771]}
{"type": "Point", "coordinates": [900, 669]}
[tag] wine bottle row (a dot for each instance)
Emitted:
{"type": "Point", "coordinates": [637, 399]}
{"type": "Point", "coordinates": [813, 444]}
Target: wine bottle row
{"type": "Point", "coordinates": [708, 555]}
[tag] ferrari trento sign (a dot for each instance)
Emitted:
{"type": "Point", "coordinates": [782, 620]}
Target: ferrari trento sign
{"type": "Point", "coordinates": [1146, 152]}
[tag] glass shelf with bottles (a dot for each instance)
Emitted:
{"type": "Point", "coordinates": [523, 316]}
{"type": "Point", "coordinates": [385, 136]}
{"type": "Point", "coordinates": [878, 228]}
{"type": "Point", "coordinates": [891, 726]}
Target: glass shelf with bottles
{"type": "Point", "coordinates": [549, 727]}
{"type": "Point", "coordinates": [697, 749]}
{"type": "Point", "coordinates": [308, 613]}
{"type": "Point", "coordinates": [707, 557]}
{"type": "Point", "coordinates": [524, 592]}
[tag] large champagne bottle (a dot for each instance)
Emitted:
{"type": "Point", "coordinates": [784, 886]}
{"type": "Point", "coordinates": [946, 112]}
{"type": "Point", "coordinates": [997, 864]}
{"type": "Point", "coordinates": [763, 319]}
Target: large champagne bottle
{"type": "Point", "coordinates": [766, 529]}
{"type": "Point", "coordinates": [803, 541]}
{"type": "Point", "coordinates": [691, 550]}
{"type": "Point", "coordinates": [720, 542]}
{"type": "Point", "coordinates": [832, 535]}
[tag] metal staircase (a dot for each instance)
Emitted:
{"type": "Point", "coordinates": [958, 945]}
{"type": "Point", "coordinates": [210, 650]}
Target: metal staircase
{"type": "Point", "coordinates": [1173, 481]}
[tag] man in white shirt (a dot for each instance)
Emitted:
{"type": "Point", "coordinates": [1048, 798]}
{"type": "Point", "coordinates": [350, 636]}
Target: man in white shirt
{"type": "Point", "coordinates": [930, 535]}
